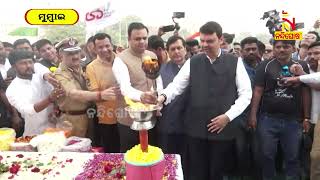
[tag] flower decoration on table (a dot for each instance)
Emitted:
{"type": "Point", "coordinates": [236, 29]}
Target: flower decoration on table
{"type": "Point", "coordinates": [11, 167]}
{"type": "Point", "coordinates": [25, 139]}
{"type": "Point", "coordinates": [49, 142]}
{"type": "Point", "coordinates": [171, 165]}
{"type": "Point", "coordinates": [22, 144]}
{"type": "Point", "coordinates": [104, 166]}
{"type": "Point", "coordinates": [112, 166]}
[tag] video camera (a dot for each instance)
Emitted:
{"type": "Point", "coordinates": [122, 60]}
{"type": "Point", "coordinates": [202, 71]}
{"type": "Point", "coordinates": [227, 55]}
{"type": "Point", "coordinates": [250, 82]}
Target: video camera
{"type": "Point", "coordinates": [176, 26]}
{"type": "Point", "coordinates": [274, 22]}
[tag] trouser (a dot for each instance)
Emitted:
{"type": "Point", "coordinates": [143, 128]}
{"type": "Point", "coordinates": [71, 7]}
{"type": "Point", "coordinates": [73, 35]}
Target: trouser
{"type": "Point", "coordinates": [248, 151]}
{"type": "Point", "coordinates": [93, 131]}
{"type": "Point", "coordinates": [306, 150]}
{"type": "Point", "coordinates": [315, 154]}
{"type": "Point", "coordinates": [209, 159]}
{"type": "Point", "coordinates": [79, 124]}
{"type": "Point", "coordinates": [174, 144]}
{"type": "Point", "coordinates": [110, 137]}
{"type": "Point", "coordinates": [286, 131]}
{"type": "Point", "coordinates": [244, 147]}
{"type": "Point", "coordinates": [171, 143]}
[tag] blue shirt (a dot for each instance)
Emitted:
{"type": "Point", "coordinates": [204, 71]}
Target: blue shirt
{"type": "Point", "coordinates": [251, 72]}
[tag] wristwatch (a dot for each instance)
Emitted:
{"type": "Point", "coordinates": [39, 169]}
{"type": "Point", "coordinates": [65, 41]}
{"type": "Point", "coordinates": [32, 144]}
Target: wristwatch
{"type": "Point", "coordinates": [165, 98]}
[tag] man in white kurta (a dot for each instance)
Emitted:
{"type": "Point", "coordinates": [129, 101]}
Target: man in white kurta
{"type": "Point", "coordinates": [28, 94]}
{"type": "Point", "coordinates": [312, 80]}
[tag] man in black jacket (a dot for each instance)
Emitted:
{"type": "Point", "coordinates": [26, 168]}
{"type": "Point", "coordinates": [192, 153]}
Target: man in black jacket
{"type": "Point", "coordinates": [220, 91]}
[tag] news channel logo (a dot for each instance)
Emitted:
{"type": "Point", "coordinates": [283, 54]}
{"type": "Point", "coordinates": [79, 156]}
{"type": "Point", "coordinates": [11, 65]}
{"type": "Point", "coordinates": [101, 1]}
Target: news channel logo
{"type": "Point", "coordinates": [101, 112]}
{"type": "Point", "coordinates": [288, 29]}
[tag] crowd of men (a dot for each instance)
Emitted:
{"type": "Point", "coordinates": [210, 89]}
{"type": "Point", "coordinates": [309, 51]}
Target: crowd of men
{"type": "Point", "coordinates": [245, 109]}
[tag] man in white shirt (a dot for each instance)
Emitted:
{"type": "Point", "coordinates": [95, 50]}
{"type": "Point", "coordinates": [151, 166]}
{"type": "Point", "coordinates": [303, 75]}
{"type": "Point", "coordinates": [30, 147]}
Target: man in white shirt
{"type": "Point", "coordinates": [134, 84]}
{"type": "Point", "coordinates": [313, 80]}
{"type": "Point", "coordinates": [30, 93]}
{"type": "Point", "coordinates": [313, 59]}
{"type": "Point", "coordinates": [123, 71]}
{"type": "Point", "coordinates": [220, 91]}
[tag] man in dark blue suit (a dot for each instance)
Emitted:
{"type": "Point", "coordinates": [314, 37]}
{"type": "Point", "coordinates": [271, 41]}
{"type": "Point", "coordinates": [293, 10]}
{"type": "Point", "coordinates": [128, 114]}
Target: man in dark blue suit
{"type": "Point", "coordinates": [170, 126]}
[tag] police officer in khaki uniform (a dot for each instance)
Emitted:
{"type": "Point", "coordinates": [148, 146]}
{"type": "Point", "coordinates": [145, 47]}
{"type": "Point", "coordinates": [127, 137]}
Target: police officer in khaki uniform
{"type": "Point", "coordinates": [74, 106]}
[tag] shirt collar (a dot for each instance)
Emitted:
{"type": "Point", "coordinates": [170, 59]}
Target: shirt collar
{"type": "Point", "coordinates": [247, 66]}
{"type": "Point", "coordinates": [103, 62]}
{"type": "Point", "coordinates": [212, 60]}
{"type": "Point", "coordinates": [49, 62]}
{"type": "Point", "coordinates": [64, 67]}
{"type": "Point", "coordinates": [179, 66]}
{"type": "Point", "coordinates": [24, 81]}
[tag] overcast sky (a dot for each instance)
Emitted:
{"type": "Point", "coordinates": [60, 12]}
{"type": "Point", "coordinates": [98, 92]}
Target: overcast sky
{"type": "Point", "coordinates": [234, 15]}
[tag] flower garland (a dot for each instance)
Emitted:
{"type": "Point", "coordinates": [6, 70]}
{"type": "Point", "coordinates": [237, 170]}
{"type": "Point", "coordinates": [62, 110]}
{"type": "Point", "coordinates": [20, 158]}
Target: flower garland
{"type": "Point", "coordinates": [112, 166]}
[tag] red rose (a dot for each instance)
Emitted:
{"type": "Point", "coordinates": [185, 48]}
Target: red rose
{"type": "Point", "coordinates": [108, 168]}
{"type": "Point", "coordinates": [90, 175]}
{"type": "Point", "coordinates": [69, 160]}
{"type": "Point", "coordinates": [118, 175]}
{"type": "Point", "coordinates": [35, 170]}
{"type": "Point", "coordinates": [19, 156]}
{"type": "Point", "coordinates": [14, 168]}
